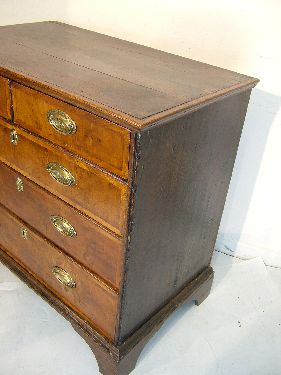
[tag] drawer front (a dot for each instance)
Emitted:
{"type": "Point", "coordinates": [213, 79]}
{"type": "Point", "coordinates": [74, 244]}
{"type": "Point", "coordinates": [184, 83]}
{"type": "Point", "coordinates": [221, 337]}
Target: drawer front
{"type": "Point", "coordinates": [5, 103]}
{"type": "Point", "coordinates": [97, 194]}
{"type": "Point", "coordinates": [92, 137]}
{"type": "Point", "coordinates": [91, 299]}
{"type": "Point", "coordinates": [76, 234]}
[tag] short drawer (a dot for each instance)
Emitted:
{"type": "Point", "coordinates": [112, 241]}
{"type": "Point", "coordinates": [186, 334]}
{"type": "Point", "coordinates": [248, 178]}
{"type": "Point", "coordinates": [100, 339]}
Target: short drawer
{"type": "Point", "coordinates": [90, 136]}
{"type": "Point", "coordinates": [77, 287]}
{"type": "Point", "coordinates": [5, 103]}
{"type": "Point", "coordinates": [68, 228]}
{"type": "Point", "coordinates": [99, 195]}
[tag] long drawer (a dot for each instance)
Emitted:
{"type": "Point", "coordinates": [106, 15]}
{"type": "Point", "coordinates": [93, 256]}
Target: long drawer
{"type": "Point", "coordinates": [99, 195]}
{"type": "Point", "coordinates": [72, 231]}
{"type": "Point", "coordinates": [77, 287]}
{"type": "Point", "coordinates": [5, 102]}
{"type": "Point", "coordinates": [90, 136]}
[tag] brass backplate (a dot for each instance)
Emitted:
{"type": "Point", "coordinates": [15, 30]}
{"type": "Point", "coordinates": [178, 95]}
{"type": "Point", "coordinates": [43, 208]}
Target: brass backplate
{"type": "Point", "coordinates": [23, 232]}
{"type": "Point", "coordinates": [63, 277]}
{"type": "Point", "coordinates": [14, 137]}
{"type": "Point", "coordinates": [60, 174]}
{"type": "Point", "coordinates": [61, 122]}
{"type": "Point", "coordinates": [63, 226]}
{"type": "Point", "coordinates": [19, 184]}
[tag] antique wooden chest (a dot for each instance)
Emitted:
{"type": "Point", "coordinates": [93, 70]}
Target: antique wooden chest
{"type": "Point", "coordinates": [115, 164]}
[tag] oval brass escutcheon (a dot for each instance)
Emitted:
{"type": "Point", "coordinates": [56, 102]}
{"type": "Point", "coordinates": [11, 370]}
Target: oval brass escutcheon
{"type": "Point", "coordinates": [63, 277]}
{"type": "Point", "coordinates": [14, 138]}
{"type": "Point", "coordinates": [63, 226]}
{"type": "Point", "coordinates": [60, 174]}
{"type": "Point", "coordinates": [23, 232]}
{"type": "Point", "coordinates": [19, 184]}
{"type": "Point", "coordinates": [61, 122]}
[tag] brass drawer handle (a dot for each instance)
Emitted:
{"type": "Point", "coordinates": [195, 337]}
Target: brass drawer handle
{"type": "Point", "coordinates": [61, 122]}
{"type": "Point", "coordinates": [63, 277]}
{"type": "Point", "coordinates": [63, 226]}
{"type": "Point", "coordinates": [14, 138]}
{"type": "Point", "coordinates": [60, 174]}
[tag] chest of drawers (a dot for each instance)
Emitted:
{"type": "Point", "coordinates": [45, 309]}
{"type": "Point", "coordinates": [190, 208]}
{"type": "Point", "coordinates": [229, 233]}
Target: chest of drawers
{"type": "Point", "coordinates": [115, 161]}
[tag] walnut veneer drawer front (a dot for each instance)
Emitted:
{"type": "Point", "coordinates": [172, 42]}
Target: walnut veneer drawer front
{"type": "Point", "coordinates": [98, 194]}
{"type": "Point", "coordinates": [92, 246]}
{"type": "Point", "coordinates": [5, 102]}
{"type": "Point", "coordinates": [92, 137]}
{"type": "Point", "coordinates": [94, 300]}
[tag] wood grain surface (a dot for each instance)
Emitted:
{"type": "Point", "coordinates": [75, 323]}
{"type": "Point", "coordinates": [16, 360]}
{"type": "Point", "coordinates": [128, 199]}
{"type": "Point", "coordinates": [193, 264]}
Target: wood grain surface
{"type": "Point", "coordinates": [93, 247]}
{"type": "Point", "coordinates": [95, 139]}
{"type": "Point", "coordinates": [111, 357]}
{"type": "Point", "coordinates": [182, 173]}
{"type": "Point", "coordinates": [156, 140]}
{"type": "Point", "coordinates": [90, 298]}
{"type": "Point", "coordinates": [5, 102]}
{"type": "Point", "coordinates": [114, 77]}
{"type": "Point", "coordinates": [97, 194]}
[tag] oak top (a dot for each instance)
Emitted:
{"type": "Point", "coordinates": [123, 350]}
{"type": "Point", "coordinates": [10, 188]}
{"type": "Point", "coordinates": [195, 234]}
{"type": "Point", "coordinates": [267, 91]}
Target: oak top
{"type": "Point", "coordinates": [122, 81]}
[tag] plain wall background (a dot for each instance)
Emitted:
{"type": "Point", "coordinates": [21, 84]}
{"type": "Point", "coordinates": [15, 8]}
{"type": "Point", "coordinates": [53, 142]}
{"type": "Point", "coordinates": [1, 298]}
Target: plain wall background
{"type": "Point", "coordinates": [241, 35]}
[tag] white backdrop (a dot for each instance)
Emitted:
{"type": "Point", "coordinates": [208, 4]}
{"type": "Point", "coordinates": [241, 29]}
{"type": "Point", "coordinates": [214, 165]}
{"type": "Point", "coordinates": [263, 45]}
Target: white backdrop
{"type": "Point", "coordinates": [242, 35]}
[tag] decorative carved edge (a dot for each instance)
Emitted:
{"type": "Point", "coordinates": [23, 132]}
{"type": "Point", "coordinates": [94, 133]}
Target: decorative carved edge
{"type": "Point", "coordinates": [117, 359]}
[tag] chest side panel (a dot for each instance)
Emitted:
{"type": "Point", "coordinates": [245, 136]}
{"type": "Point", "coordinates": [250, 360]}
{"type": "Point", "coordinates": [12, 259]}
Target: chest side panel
{"type": "Point", "coordinates": [182, 173]}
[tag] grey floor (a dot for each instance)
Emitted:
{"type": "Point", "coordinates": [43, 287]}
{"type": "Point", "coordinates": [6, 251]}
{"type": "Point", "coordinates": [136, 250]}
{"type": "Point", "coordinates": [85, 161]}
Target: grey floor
{"type": "Point", "coordinates": [237, 330]}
